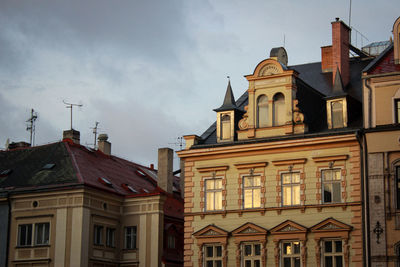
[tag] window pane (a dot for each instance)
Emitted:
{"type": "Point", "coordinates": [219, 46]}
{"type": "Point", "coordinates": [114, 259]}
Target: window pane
{"type": "Point", "coordinates": [328, 246]}
{"type": "Point", "coordinates": [338, 246]}
{"type": "Point", "coordinates": [218, 263]}
{"type": "Point", "coordinates": [287, 249]}
{"type": "Point", "coordinates": [209, 263]}
{"type": "Point", "coordinates": [337, 175]}
{"type": "Point", "coordinates": [262, 111]}
{"type": "Point", "coordinates": [247, 181]}
{"type": "Point", "coordinates": [327, 193]}
{"type": "Point", "coordinates": [338, 261]}
{"type": "Point", "coordinates": [328, 261]}
{"type": "Point", "coordinates": [297, 262]}
{"type": "Point", "coordinates": [210, 201]}
{"type": "Point", "coordinates": [257, 181]}
{"type": "Point", "coordinates": [296, 177]}
{"type": "Point", "coordinates": [337, 114]}
{"type": "Point", "coordinates": [257, 263]}
{"type": "Point", "coordinates": [279, 109]}
{"type": "Point", "coordinates": [286, 178]}
{"type": "Point", "coordinates": [296, 247]}
{"type": "Point", "coordinates": [209, 251]}
{"type": "Point", "coordinates": [248, 197]}
{"type": "Point", "coordinates": [218, 183]}
{"type": "Point", "coordinates": [247, 250]}
{"type": "Point", "coordinates": [296, 195]}
{"type": "Point", "coordinates": [336, 192]}
{"type": "Point", "coordinates": [210, 184]}
{"type": "Point", "coordinates": [327, 175]}
{"type": "Point", "coordinates": [247, 263]}
{"type": "Point", "coordinates": [257, 198]}
{"type": "Point", "coordinates": [287, 196]}
{"type": "Point", "coordinates": [218, 200]}
{"type": "Point", "coordinates": [226, 129]}
{"type": "Point", "coordinates": [257, 249]}
{"type": "Point", "coordinates": [218, 251]}
{"type": "Point", "coordinates": [287, 262]}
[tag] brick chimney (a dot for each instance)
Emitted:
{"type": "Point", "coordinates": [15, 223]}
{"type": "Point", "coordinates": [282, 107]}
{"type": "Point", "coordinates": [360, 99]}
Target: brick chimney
{"type": "Point", "coordinates": [72, 134]}
{"type": "Point", "coordinates": [336, 56]}
{"type": "Point", "coordinates": [165, 172]}
{"type": "Point", "coordinates": [103, 145]}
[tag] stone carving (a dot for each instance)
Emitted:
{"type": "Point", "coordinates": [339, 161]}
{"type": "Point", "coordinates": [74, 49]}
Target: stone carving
{"type": "Point", "coordinates": [330, 226]}
{"type": "Point", "coordinates": [249, 231]}
{"type": "Point", "coordinates": [298, 117]}
{"type": "Point", "coordinates": [269, 69]}
{"type": "Point", "coordinates": [243, 124]}
{"type": "Point", "coordinates": [289, 228]}
{"type": "Point", "coordinates": [210, 232]}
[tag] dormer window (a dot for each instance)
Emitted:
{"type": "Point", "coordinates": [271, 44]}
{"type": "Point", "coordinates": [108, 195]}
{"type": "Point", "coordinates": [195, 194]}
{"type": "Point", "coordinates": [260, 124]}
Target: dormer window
{"type": "Point", "coordinates": [225, 127]}
{"type": "Point", "coordinates": [278, 109]}
{"type": "Point", "coordinates": [337, 114]}
{"type": "Point", "coordinates": [262, 111]}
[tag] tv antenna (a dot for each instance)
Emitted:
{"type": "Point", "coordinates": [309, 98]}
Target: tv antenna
{"type": "Point", "coordinates": [179, 141]}
{"type": "Point", "coordinates": [31, 126]}
{"type": "Point", "coordinates": [95, 134]}
{"type": "Point", "coordinates": [71, 105]}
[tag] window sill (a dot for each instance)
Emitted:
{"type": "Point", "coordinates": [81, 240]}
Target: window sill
{"type": "Point", "coordinates": [33, 246]}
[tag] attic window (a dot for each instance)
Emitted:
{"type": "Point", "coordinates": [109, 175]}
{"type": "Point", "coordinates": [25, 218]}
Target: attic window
{"type": "Point", "coordinates": [129, 188]}
{"type": "Point", "coordinates": [105, 181]}
{"type": "Point", "coordinates": [146, 191]}
{"type": "Point", "coordinates": [141, 172]}
{"type": "Point", "coordinates": [5, 172]}
{"type": "Point", "coordinates": [48, 166]}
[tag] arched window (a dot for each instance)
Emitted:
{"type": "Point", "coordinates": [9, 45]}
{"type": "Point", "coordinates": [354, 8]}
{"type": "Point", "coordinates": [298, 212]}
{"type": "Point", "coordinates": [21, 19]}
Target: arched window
{"type": "Point", "coordinates": [225, 127]}
{"type": "Point", "coordinates": [279, 109]}
{"type": "Point", "coordinates": [262, 111]}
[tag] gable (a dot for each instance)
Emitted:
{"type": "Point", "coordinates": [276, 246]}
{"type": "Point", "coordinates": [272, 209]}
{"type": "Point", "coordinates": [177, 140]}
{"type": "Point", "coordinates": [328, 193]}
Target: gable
{"type": "Point", "coordinates": [211, 231]}
{"type": "Point", "coordinates": [330, 224]}
{"type": "Point", "coordinates": [385, 64]}
{"type": "Point", "coordinates": [249, 229]}
{"type": "Point", "coordinates": [288, 227]}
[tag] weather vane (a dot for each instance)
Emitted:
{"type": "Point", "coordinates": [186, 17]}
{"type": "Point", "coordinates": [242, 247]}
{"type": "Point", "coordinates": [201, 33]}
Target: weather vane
{"type": "Point", "coordinates": [70, 105]}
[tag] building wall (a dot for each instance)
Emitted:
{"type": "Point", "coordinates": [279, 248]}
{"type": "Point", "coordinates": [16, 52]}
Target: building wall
{"type": "Point", "coordinates": [269, 159]}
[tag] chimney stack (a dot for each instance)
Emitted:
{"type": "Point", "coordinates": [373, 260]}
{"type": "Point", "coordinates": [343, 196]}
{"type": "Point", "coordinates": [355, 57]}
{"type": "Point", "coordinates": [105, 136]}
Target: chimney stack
{"type": "Point", "coordinates": [340, 50]}
{"type": "Point", "coordinates": [165, 172]}
{"type": "Point", "coordinates": [103, 145]}
{"type": "Point", "coordinates": [72, 134]}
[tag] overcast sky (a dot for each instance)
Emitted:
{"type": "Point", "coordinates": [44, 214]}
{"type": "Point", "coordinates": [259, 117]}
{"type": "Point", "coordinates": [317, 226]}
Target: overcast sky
{"type": "Point", "coordinates": [152, 70]}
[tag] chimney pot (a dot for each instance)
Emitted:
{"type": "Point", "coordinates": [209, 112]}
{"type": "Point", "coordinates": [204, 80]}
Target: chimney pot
{"type": "Point", "coordinates": [152, 166]}
{"type": "Point", "coordinates": [337, 19]}
{"type": "Point", "coordinates": [103, 145]}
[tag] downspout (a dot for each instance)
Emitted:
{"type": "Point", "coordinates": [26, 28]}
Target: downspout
{"type": "Point", "coordinates": [366, 82]}
{"type": "Point", "coordinates": [364, 196]}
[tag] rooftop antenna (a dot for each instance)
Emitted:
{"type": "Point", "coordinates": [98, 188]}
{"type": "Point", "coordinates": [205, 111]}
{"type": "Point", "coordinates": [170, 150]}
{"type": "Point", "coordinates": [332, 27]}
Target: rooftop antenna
{"type": "Point", "coordinates": [350, 16]}
{"type": "Point", "coordinates": [31, 126]}
{"type": "Point", "coordinates": [70, 105]}
{"type": "Point", "coordinates": [95, 134]}
{"type": "Point", "coordinates": [178, 142]}
{"type": "Point", "coordinates": [284, 40]}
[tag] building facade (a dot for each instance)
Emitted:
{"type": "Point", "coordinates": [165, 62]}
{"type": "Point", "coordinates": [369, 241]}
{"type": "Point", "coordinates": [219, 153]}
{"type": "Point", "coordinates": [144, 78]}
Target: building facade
{"type": "Point", "coordinates": [381, 91]}
{"type": "Point", "coordinates": [73, 206]}
{"type": "Point", "coordinates": [277, 180]}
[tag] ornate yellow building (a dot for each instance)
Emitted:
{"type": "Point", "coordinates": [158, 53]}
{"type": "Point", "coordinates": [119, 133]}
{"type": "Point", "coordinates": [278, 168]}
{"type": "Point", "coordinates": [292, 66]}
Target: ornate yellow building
{"type": "Point", "coordinates": [276, 181]}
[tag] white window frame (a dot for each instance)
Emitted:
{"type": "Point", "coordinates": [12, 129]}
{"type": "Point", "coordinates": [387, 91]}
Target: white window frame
{"type": "Point", "coordinates": [215, 258]}
{"type": "Point", "coordinates": [332, 254]}
{"type": "Point", "coordinates": [214, 191]}
{"type": "Point", "coordinates": [291, 185]}
{"type": "Point", "coordinates": [27, 234]}
{"type": "Point", "coordinates": [252, 188]}
{"type": "Point", "coordinates": [291, 256]}
{"type": "Point", "coordinates": [331, 182]}
{"type": "Point", "coordinates": [44, 239]}
{"type": "Point", "coordinates": [33, 236]}
{"type": "Point", "coordinates": [130, 237]}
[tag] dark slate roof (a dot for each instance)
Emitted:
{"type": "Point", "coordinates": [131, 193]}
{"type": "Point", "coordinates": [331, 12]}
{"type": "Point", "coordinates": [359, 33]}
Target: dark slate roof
{"type": "Point", "coordinates": [75, 165]}
{"type": "Point", "coordinates": [313, 80]}
{"type": "Point", "coordinates": [229, 100]}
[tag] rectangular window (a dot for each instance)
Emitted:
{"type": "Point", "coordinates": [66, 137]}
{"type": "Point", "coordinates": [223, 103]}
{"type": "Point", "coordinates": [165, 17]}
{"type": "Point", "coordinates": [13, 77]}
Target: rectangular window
{"type": "Point", "coordinates": [171, 241]}
{"type": "Point", "coordinates": [98, 235]}
{"type": "Point", "coordinates": [130, 237]}
{"type": "Point", "coordinates": [332, 253]}
{"type": "Point", "coordinates": [337, 114]}
{"type": "Point", "coordinates": [291, 189]}
{"type": "Point", "coordinates": [213, 255]}
{"type": "Point", "coordinates": [25, 235]}
{"type": "Point", "coordinates": [331, 185]}
{"type": "Point", "coordinates": [110, 237]}
{"type": "Point", "coordinates": [291, 254]}
{"type": "Point", "coordinates": [251, 192]}
{"type": "Point", "coordinates": [213, 188]}
{"type": "Point", "coordinates": [251, 254]}
{"type": "Point", "coordinates": [42, 233]}
{"type": "Point", "coordinates": [397, 110]}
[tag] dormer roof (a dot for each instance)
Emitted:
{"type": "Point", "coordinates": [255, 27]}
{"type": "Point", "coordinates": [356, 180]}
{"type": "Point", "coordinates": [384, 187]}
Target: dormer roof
{"type": "Point", "coordinates": [229, 100]}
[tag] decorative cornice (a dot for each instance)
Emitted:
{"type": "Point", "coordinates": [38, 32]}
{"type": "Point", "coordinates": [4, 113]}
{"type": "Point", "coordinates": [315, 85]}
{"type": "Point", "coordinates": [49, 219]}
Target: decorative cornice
{"type": "Point", "coordinates": [330, 158]}
{"type": "Point", "coordinates": [250, 165]}
{"type": "Point", "coordinates": [289, 162]}
{"type": "Point", "coordinates": [212, 169]}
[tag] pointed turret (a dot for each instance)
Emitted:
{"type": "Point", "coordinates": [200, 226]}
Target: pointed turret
{"type": "Point", "coordinates": [229, 100]}
{"type": "Point", "coordinates": [338, 88]}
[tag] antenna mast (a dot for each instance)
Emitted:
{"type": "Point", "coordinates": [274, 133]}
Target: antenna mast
{"type": "Point", "coordinates": [31, 126]}
{"type": "Point", "coordinates": [70, 105]}
{"type": "Point", "coordinates": [350, 16]}
{"type": "Point", "coordinates": [95, 134]}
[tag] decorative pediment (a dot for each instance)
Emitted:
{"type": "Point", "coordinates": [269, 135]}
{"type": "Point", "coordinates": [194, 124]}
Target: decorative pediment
{"type": "Point", "coordinates": [249, 229]}
{"type": "Point", "coordinates": [329, 225]}
{"type": "Point", "coordinates": [210, 231]}
{"type": "Point", "coordinates": [288, 227]}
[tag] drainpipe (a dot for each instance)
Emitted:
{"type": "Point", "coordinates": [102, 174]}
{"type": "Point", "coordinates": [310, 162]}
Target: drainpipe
{"type": "Point", "coordinates": [366, 82]}
{"type": "Point", "coordinates": [364, 196]}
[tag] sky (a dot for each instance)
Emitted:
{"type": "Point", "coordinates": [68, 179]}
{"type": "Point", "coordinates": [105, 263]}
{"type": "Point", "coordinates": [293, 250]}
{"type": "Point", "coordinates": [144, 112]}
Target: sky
{"type": "Point", "coordinates": [150, 71]}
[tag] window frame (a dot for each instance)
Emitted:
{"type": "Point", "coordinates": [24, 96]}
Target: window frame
{"type": "Point", "coordinates": [213, 191]}
{"type": "Point", "coordinates": [98, 235]}
{"type": "Point", "coordinates": [259, 106]}
{"type": "Point", "coordinates": [276, 120]}
{"type": "Point", "coordinates": [45, 234]}
{"type": "Point", "coordinates": [32, 234]}
{"type": "Point", "coordinates": [291, 185]}
{"type": "Point", "coordinates": [225, 126]}
{"type": "Point", "coordinates": [291, 256]}
{"type": "Point", "coordinates": [334, 126]}
{"type": "Point", "coordinates": [28, 236]}
{"type": "Point", "coordinates": [110, 237]}
{"type": "Point", "coordinates": [130, 239]}
{"type": "Point", "coordinates": [323, 182]}
{"type": "Point", "coordinates": [253, 257]}
{"type": "Point", "coordinates": [252, 188]}
{"type": "Point", "coordinates": [396, 103]}
{"type": "Point", "coordinates": [332, 254]}
{"type": "Point", "coordinates": [213, 259]}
